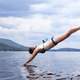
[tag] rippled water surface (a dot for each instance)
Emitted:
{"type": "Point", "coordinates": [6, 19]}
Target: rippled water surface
{"type": "Point", "coordinates": [48, 65]}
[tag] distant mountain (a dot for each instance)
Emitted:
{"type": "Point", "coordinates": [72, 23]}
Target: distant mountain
{"type": "Point", "coordinates": [66, 49]}
{"type": "Point", "coordinates": [9, 45]}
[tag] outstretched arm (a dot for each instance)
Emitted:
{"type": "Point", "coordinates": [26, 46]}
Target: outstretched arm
{"type": "Point", "coordinates": [35, 52]}
{"type": "Point", "coordinates": [39, 49]}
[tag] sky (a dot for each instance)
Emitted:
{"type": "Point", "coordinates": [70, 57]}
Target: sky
{"type": "Point", "coordinates": [29, 21]}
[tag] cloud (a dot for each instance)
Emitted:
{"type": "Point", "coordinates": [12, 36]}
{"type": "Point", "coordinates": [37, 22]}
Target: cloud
{"type": "Point", "coordinates": [42, 8]}
{"type": "Point", "coordinates": [13, 7]}
{"type": "Point", "coordinates": [39, 7]}
{"type": "Point", "coordinates": [67, 8]}
{"type": "Point", "coordinates": [7, 26]}
{"type": "Point", "coordinates": [71, 10]}
{"type": "Point", "coordinates": [17, 7]}
{"type": "Point", "coordinates": [37, 1]}
{"type": "Point", "coordinates": [34, 23]}
{"type": "Point", "coordinates": [23, 19]}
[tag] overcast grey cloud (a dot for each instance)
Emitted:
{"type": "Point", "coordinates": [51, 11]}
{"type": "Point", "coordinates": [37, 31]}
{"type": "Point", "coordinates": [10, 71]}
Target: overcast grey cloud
{"type": "Point", "coordinates": [36, 1]}
{"type": "Point", "coordinates": [13, 7]}
{"type": "Point", "coordinates": [7, 26]}
{"type": "Point", "coordinates": [17, 7]}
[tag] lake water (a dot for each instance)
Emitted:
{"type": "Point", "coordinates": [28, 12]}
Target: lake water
{"type": "Point", "coordinates": [50, 63]}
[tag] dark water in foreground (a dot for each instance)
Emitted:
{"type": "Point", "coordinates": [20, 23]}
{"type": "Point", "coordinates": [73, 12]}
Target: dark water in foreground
{"type": "Point", "coordinates": [48, 66]}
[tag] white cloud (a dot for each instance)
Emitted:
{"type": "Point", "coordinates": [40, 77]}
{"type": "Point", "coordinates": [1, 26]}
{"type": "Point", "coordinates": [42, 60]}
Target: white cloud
{"type": "Point", "coordinates": [71, 9]}
{"type": "Point", "coordinates": [35, 23]}
{"type": "Point", "coordinates": [39, 7]}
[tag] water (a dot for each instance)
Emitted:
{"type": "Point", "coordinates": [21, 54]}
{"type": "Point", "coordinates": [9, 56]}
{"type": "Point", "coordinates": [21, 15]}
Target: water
{"type": "Point", "coordinates": [50, 63]}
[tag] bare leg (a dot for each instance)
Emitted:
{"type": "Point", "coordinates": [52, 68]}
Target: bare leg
{"type": "Point", "coordinates": [49, 44]}
{"type": "Point", "coordinates": [66, 34]}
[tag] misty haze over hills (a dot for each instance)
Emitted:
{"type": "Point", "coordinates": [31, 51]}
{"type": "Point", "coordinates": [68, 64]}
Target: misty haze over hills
{"type": "Point", "coordinates": [9, 45]}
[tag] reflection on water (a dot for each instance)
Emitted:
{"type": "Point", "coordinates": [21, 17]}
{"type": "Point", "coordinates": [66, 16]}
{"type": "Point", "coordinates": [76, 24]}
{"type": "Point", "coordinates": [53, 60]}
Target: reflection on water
{"type": "Point", "coordinates": [48, 66]}
{"type": "Point", "coordinates": [9, 66]}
